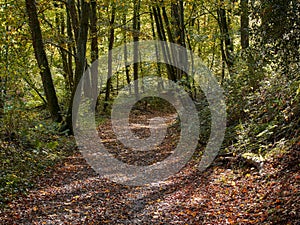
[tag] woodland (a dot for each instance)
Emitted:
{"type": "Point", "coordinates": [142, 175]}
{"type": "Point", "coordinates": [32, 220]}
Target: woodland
{"type": "Point", "coordinates": [251, 47]}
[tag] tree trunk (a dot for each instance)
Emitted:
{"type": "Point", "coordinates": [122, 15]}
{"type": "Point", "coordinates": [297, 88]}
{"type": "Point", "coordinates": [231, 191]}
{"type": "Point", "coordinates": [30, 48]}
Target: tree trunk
{"type": "Point", "coordinates": [127, 67]}
{"type": "Point", "coordinates": [136, 31]}
{"type": "Point", "coordinates": [94, 43]}
{"type": "Point", "coordinates": [110, 47]}
{"type": "Point", "coordinates": [61, 26]}
{"type": "Point", "coordinates": [223, 57]}
{"type": "Point", "coordinates": [164, 46]}
{"type": "Point", "coordinates": [173, 59]}
{"type": "Point", "coordinates": [244, 24]}
{"type": "Point", "coordinates": [179, 37]}
{"type": "Point", "coordinates": [70, 49]}
{"type": "Point", "coordinates": [74, 18]}
{"type": "Point", "coordinates": [94, 51]}
{"type": "Point", "coordinates": [80, 61]}
{"type": "Point", "coordinates": [176, 34]}
{"type": "Point", "coordinates": [160, 84]}
{"type": "Point", "coordinates": [253, 77]}
{"type": "Point", "coordinates": [42, 60]}
{"type": "Point", "coordinates": [223, 24]}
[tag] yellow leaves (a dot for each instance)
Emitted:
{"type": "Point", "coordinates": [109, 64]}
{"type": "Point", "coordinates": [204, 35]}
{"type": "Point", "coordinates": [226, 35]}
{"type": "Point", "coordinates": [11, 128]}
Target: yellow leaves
{"type": "Point", "coordinates": [192, 213]}
{"type": "Point", "coordinates": [187, 212]}
{"type": "Point", "coordinates": [231, 221]}
{"type": "Point", "coordinates": [67, 210]}
{"type": "Point", "coordinates": [298, 90]}
{"type": "Point", "coordinates": [75, 198]}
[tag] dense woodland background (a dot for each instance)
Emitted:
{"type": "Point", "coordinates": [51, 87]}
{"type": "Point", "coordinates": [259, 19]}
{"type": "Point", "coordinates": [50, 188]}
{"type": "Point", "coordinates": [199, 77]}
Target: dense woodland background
{"type": "Point", "coordinates": [251, 46]}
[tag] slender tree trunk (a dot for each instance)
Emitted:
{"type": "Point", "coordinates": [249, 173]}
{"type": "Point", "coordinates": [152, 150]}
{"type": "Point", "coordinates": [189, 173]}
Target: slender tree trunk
{"type": "Point", "coordinates": [82, 40]}
{"type": "Point", "coordinates": [244, 24]}
{"type": "Point", "coordinates": [94, 51]}
{"type": "Point", "coordinates": [70, 50]}
{"type": "Point", "coordinates": [177, 10]}
{"type": "Point", "coordinates": [79, 7]}
{"type": "Point", "coordinates": [175, 15]}
{"type": "Point", "coordinates": [80, 61]}
{"type": "Point", "coordinates": [142, 74]}
{"type": "Point", "coordinates": [173, 59]}
{"type": "Point", "coordinates": [127, 67]}
{"type": "Point", "coordinates": [176, 34]}
{"type": "Point", "coordinates": [136, 31]}
{"type": "Point", "coordinates": [94, 43]}
{"type": "Point", "coordinates": [166, 50]}
{"type": "Point", "coordinates": [183, 56]}
{"type": "Point", "coordinates": [253, 77]}
{"type": "Point", "coordinates": [42, 60]}
{"type": "Point", "coordinates": [74, 18]}
{"type": "Point", "coordinates": [61, 27]}
{"type": "Point", "coordinates": [223, 57]}
{"type": "Point", "coordinates": [110, 47]}
{"type": "Point", "coordinates": [160, 84]}
{"type": "Point", "coordinates": [223, 24]}
{"type": "Point", "coordinates": [164, 46]}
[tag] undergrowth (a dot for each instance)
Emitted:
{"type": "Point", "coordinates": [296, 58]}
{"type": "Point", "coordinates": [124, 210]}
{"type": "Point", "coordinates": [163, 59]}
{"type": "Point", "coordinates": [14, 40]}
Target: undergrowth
{"type": "Point", "coordinates": [29, 145]}
{"type": "Point", "coordinates": [265, 121]}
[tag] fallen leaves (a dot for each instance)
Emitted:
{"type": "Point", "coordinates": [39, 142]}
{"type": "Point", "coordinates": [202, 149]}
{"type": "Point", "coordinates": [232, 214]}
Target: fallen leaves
{"type": "Point", "coordinates": [74, 194]}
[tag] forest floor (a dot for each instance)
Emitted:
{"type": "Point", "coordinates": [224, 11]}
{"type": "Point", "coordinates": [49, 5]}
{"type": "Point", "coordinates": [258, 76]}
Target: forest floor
{"type": "Point", "coordinates": [72, 193]}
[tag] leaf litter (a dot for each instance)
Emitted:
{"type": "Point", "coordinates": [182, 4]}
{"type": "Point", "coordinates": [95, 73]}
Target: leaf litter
{"type": "Point", "coordinates": [72, 193]}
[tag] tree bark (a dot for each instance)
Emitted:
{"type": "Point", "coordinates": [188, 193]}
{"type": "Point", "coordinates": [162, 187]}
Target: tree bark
{"type": "Point", "coordinates": [110, 47]}
{"type": "Point", "coordinates": [74, 18]}
{"type": "Point", "coordinates": [244, 24]}
{"type": "Point", "coordinates": [225, 36]}
{"type": "Point", "coordinates": [127, 67]}
{"type": "Point", "coordinates": [136, 31]}
{"type": "Point", "coordinates": [164, 46]}
{"type": "Point", "coordinates": [160, 84]}
{"type": "Point", "coordinates": [80, 61]}
{"type": "Point", "coordinates": [70, 49]}
{"type": "Point", "coordinates": [42, 60]}
{"type": "Point", "coordinates": [94, 51]}
{"type": "Point", "coordinates": [179, 37]}
{"type": "Point", "coordinates": [61, 26]}
{"type": "Point", "coordinates": [94, 43]}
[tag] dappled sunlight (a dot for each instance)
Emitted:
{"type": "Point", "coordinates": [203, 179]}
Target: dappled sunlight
{"type": "Point", "coordinates": [150, 112]}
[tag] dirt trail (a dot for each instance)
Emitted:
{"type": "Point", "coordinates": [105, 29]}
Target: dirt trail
{"type": "Point", "coordinates": [73, 193]}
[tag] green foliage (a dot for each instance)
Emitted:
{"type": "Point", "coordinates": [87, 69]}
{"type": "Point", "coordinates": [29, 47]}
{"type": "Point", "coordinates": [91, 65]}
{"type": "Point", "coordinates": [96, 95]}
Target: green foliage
{"type": "Point", "coordinates": [28, 146]}
{"type": "Point", "coordinates": [270, 116]}
{"type": "Point", "coordinates": [262, 90]}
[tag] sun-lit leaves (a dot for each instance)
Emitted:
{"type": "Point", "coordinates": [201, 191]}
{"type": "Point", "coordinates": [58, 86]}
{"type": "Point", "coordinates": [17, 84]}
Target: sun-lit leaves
{"type": "Point", "coordinates": [262, 96]}
{"type": "Point", "coordinates": [73, 193]}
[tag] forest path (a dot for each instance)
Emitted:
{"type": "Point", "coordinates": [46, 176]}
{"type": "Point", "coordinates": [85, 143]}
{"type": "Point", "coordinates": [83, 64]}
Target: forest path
{"type": "Point", "coordinates": [72, 193]}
